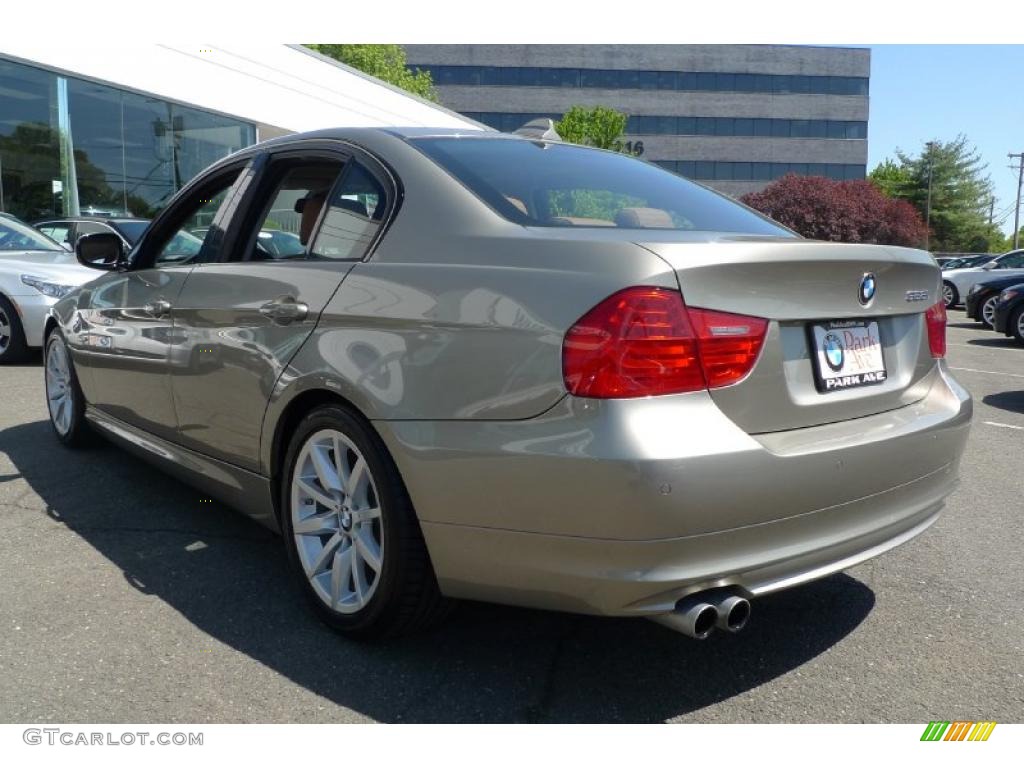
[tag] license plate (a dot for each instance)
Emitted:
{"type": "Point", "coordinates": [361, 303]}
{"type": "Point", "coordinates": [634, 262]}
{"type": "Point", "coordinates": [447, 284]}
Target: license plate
{"type": "Point", "coordinates": [846, 354]}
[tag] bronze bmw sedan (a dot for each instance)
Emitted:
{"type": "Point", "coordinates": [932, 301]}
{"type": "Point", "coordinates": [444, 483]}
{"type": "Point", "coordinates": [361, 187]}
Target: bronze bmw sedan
{"type": "Point", "coordinates": [510, 369]}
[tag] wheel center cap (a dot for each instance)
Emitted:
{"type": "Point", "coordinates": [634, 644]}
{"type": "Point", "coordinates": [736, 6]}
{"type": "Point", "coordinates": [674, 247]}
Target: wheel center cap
{"type": "Point", "coordinates": [346, 520]}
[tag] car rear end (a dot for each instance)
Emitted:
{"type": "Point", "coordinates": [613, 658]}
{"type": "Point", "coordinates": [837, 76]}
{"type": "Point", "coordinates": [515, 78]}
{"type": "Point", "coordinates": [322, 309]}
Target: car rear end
{"type": "Point", "coordinates": [758, 411]}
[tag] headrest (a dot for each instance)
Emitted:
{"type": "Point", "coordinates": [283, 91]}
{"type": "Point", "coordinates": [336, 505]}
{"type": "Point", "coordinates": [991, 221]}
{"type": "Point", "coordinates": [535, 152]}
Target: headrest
{"type": "Point", "coordinates": [644, 218]}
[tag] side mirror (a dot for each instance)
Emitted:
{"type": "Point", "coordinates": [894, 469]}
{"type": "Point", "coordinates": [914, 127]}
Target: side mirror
{"type": "Point", "coordinates": [102, 250]}
{"type": "Point", "coordinates": [990, 266]}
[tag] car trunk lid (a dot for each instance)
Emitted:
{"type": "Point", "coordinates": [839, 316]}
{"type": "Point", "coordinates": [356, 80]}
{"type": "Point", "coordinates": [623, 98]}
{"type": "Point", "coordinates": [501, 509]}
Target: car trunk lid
{"type": "Point", "coordinates": [801, 284]}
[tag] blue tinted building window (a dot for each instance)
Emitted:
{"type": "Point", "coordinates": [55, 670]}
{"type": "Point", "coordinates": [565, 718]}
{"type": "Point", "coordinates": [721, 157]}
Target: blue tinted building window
{"type": "Point", "coordinates": [707, 81]}
{"type": "Point", "coordinates": [687, 81]}
{"type": "Point", "coordinates": [724, 126]}
{"type": "Point", "coordinates": [746, 83]}
{"type": "Point", "coordinates": [667, 81]}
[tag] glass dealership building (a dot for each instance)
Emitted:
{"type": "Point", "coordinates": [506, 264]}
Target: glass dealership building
{"type": "Point", "coordinates": [70, 146]}
{"type": "Point", "coordinates": [119, 133]}
{"type": "Point", "coordinates": [733, 116]}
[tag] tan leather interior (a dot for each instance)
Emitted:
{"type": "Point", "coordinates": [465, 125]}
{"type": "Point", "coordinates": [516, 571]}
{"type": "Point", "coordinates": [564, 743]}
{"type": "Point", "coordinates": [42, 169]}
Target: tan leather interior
{"type": "Point", "coordinates": [644, 218]}
{"type": "Point", "coordinates": [580, 221]}
{"type": "Point", "coordinates": [519, 204]}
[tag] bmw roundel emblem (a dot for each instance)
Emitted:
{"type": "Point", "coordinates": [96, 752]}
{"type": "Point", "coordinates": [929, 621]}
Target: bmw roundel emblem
{"type": "Point", "coordinates": [867, 288]}
{"type": "Point", "coordinates": [832, 346]}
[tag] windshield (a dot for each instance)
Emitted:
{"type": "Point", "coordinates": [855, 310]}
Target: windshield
{"type": "Point", "coordinates": [131, 230]}
{"type": "Point", "coordinates": [18, 236]}
{"type": "Point", "coordinates": [564, 185]}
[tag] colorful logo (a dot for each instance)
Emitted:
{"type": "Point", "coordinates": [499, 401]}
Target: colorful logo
{"type": "Point", "coordinates": [867, 288]}
{"type": "Point", "coordinates": [832, 346]}
{"type": "Point", "coordinates": [959, 730]}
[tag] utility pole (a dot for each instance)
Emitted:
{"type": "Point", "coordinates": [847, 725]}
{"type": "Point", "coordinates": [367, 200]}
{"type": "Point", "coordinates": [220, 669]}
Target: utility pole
{"type": "Point", "coordinates": [1016, 211]}
{"type": "Point", "coordinates": [928, 206]}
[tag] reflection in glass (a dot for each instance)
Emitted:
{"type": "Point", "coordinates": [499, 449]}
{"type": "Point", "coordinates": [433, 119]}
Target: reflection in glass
{"type": "Point", "coordinates": [30, 179]}
{"type": "Point", "coordinates": [123, 153]}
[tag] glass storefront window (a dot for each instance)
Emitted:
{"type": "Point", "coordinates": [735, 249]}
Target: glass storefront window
{"type": "Point", "coordinates": [70, 146]}
{"type": "Point", "coordinates": [31, 184]}
{"type": "Point", "coordinates": [95, 116]}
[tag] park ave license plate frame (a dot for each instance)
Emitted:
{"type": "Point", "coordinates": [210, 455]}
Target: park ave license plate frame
{"type": "Point", "coordinates": [846, 354]}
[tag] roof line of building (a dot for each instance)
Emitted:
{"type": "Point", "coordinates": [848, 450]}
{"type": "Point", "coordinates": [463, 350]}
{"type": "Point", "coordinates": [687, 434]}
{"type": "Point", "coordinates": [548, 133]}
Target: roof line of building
{"type": "Point", "coordinates": [384, 84]}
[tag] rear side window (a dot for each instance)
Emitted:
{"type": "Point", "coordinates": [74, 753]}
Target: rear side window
{"type": "Point", "coordinates": [563, 185]}
{"type": "Point", "coordinates": [353, 216]}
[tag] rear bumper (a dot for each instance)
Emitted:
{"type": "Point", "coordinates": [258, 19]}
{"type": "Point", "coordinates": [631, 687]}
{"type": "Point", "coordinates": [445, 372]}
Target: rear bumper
{"type": "Point", "coordinates": [623, 507]}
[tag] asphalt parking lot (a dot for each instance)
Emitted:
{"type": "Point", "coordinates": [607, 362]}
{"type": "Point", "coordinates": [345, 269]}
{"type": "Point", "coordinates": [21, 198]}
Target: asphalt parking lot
{"type": "Point", "coordinates": [126, 598]}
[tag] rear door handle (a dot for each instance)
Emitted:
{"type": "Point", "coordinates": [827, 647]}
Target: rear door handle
{"type": "Point", "coordinates": [285, 310]}
{"type": "Point", "coordinates": [158, 308]}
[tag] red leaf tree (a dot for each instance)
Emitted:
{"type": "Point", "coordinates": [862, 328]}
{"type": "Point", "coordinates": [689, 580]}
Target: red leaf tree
{"type": "Point", "coordinates": [841, 211]}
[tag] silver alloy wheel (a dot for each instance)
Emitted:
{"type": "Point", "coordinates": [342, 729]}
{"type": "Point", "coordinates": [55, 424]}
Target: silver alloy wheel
{"type": "Point", "coordinates": [988, 311]}
{"type": "Point", "coordinates": [336, 521]}
{"type": "Point", "coordinates": [947, 294]}
{"type": "Point", "coordinates": [58, 386]}
{"type": "Point", "coordinates": [5, 331]}
{"type": "Point", "coordinates": [1020, 325]}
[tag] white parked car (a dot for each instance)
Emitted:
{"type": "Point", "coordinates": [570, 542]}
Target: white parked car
{"type": "Point", "coordinates": [957, 283]}
{"type": "Point", "coordinates": [35, 272]}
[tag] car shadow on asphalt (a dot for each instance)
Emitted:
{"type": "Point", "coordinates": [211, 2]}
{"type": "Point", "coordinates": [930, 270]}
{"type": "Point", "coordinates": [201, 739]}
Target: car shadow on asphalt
{"type": "Point", "coordinates": [487, 663]}
{"type": "Point", "coordinates": [996, 341]}
{"type": "Point", "coordinates": [1012, 401]}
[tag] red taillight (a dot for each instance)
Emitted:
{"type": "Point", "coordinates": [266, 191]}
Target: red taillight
{"type": "Point", "coordinates": [729, 344]}
{"type": "Point", "coordinates": [935, 319]}
{"type": "Point", "coordinates": [645, 341]}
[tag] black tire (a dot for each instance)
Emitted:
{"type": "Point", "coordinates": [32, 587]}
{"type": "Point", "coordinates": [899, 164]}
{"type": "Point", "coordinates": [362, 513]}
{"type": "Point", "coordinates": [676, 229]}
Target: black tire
{"type": "Point", "coordinates": [1016, 318]}
{"type": "Point", "coordinates": [954, 294]}
{"type": "Point", "coordinates": [406, 597]}
{"type": "Point", "coordinates": [78, 434]}
{"type": "Point", "coordinates": [13, 346]}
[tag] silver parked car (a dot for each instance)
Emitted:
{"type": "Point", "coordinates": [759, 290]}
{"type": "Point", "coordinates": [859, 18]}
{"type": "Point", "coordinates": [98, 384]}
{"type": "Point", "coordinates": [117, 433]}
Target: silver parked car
{"type": "Point", "coordinates": [35, 272]}
{"type": "Point", "coordinates": [520, 371]}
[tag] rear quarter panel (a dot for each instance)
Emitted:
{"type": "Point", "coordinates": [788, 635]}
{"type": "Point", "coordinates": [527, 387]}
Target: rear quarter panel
{"type": "Point", "coordinates": [458, 314]}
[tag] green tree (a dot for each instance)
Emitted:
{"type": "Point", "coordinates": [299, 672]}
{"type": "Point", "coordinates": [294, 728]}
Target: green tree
{"type": "Point", "coordinates": [960, 192]}
{"type": "Point", "coordinates": [385, 62]}
{"type": "Point", "coordinates": [600, 127]}
{"type": "Point", "coordinates": [891, 178]}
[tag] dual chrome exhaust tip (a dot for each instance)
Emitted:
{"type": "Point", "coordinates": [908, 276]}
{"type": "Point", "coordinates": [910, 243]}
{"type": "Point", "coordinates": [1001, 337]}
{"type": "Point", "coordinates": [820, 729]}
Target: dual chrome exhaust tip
{"type": "Point", "coordinates": [699, 615]}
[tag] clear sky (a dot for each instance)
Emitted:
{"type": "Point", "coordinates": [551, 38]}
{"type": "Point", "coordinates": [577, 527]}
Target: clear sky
{"type": "Point", "coordinates": [925, 92]}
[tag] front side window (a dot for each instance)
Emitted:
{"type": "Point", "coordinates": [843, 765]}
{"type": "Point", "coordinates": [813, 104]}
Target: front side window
{"type": "Point", "coordinates": [191, 237]}
{"type": "Point", "coordinates": [552, 184]}
{"type": "Point", "coordinates": [1016, 261]}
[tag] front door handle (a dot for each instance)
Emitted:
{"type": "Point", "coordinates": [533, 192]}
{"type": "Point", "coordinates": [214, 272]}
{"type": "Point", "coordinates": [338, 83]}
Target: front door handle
{"type": "Point", "coordinates": [284, 310]}
{"type": "Point", "coordinates": [158, 308]}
